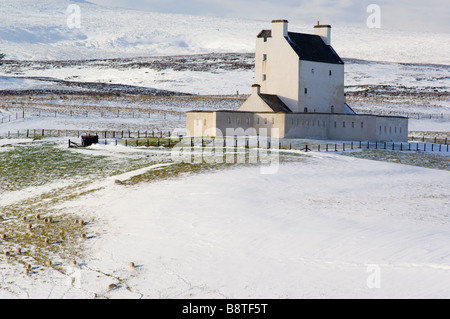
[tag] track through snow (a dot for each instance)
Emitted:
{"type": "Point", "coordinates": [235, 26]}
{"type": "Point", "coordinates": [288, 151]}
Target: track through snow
{"type": "Point", "coordinates": [310, 231]}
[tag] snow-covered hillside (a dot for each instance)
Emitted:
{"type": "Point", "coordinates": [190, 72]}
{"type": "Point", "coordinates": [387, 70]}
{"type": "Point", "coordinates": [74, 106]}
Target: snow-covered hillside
{"type": "Point", "coordinates": [38, 30]}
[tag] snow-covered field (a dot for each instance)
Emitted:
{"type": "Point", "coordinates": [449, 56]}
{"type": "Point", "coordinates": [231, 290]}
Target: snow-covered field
{"type": "Point", "coordinates": [322, 226]}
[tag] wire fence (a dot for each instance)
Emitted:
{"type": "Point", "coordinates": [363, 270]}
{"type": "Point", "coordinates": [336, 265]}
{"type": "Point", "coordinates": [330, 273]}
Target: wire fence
{"type": "Point", "coordinates": [139, 113]}
{"type": "Point", "coordinates": [436, 116]}
{"type": "Point", "coordinates": [107, 114]}
{"type": "Point", "coordinates": [415, 143]}
{"type": "Point", "coordinates": [267, 143]}
{"type": "Point", "coordinates": [122, 134]}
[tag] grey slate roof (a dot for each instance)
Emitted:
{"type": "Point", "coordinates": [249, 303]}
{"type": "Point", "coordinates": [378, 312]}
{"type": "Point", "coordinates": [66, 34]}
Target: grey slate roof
{"type": "Point", "coordinates": [265, 34]}
{"type": "Point", "coordinates": [308, 47]}
{"type": "Point", "coordinates": [274, 102]}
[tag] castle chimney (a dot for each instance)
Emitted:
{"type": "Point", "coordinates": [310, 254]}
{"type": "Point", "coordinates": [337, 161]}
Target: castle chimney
{"type": "Point", "coordinates": [324, 31]}
{"type": "Point", "coordinates": [279, 28]}
{"type": "Point", "coordinates": [256, 89]}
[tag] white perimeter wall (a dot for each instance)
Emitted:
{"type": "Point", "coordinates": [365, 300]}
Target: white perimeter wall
{"type": "Point", "coordinates": [300, 125]}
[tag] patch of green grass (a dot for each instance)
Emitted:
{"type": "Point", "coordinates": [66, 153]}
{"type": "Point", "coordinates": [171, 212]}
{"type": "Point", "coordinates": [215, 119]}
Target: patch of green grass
{"type": "Point", "coordinates": [176, 170]}
{"type": "Point", "coordinates": [39, 163]}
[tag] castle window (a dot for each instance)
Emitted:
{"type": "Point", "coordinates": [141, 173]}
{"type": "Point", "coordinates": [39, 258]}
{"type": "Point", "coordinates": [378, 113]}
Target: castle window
{"type": "Point", "coordinates": [264, 57]}
{"type": "Point", "coordinates": [362, 124]}
{"type": "Point", "coordinates": [306, 91]}
{"type": "Point", "coordinates": [332, 109]}
{"type": "Point", "coordinates": [264, 77]}
{"type": "Point", "coordinates": [305, 110]}
{"type": "Point", "coordinates": [343, 124]}
{"type": "Point", "coordinates": [312, 71]}
{"type": "Point", "coordinates": [330, 73]}
{"type": "Point", "coordinates": [335, 124]}
{"type": "Point", "coordinates": [353, 124]}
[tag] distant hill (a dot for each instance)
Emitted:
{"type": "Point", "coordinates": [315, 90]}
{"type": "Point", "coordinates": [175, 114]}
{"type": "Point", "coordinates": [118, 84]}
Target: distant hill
{"type": "Point", "coordinates": [38, 30]}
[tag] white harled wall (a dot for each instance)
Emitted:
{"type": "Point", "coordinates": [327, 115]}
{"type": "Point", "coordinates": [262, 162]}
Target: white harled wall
{"type": "Point", "coordinates": [319, 90]}
{"type": "Point", "coordinates": [281, 67]}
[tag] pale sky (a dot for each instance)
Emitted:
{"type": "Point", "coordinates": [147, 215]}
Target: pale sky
{"type": "Point", "coordinates": [408, 15]}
